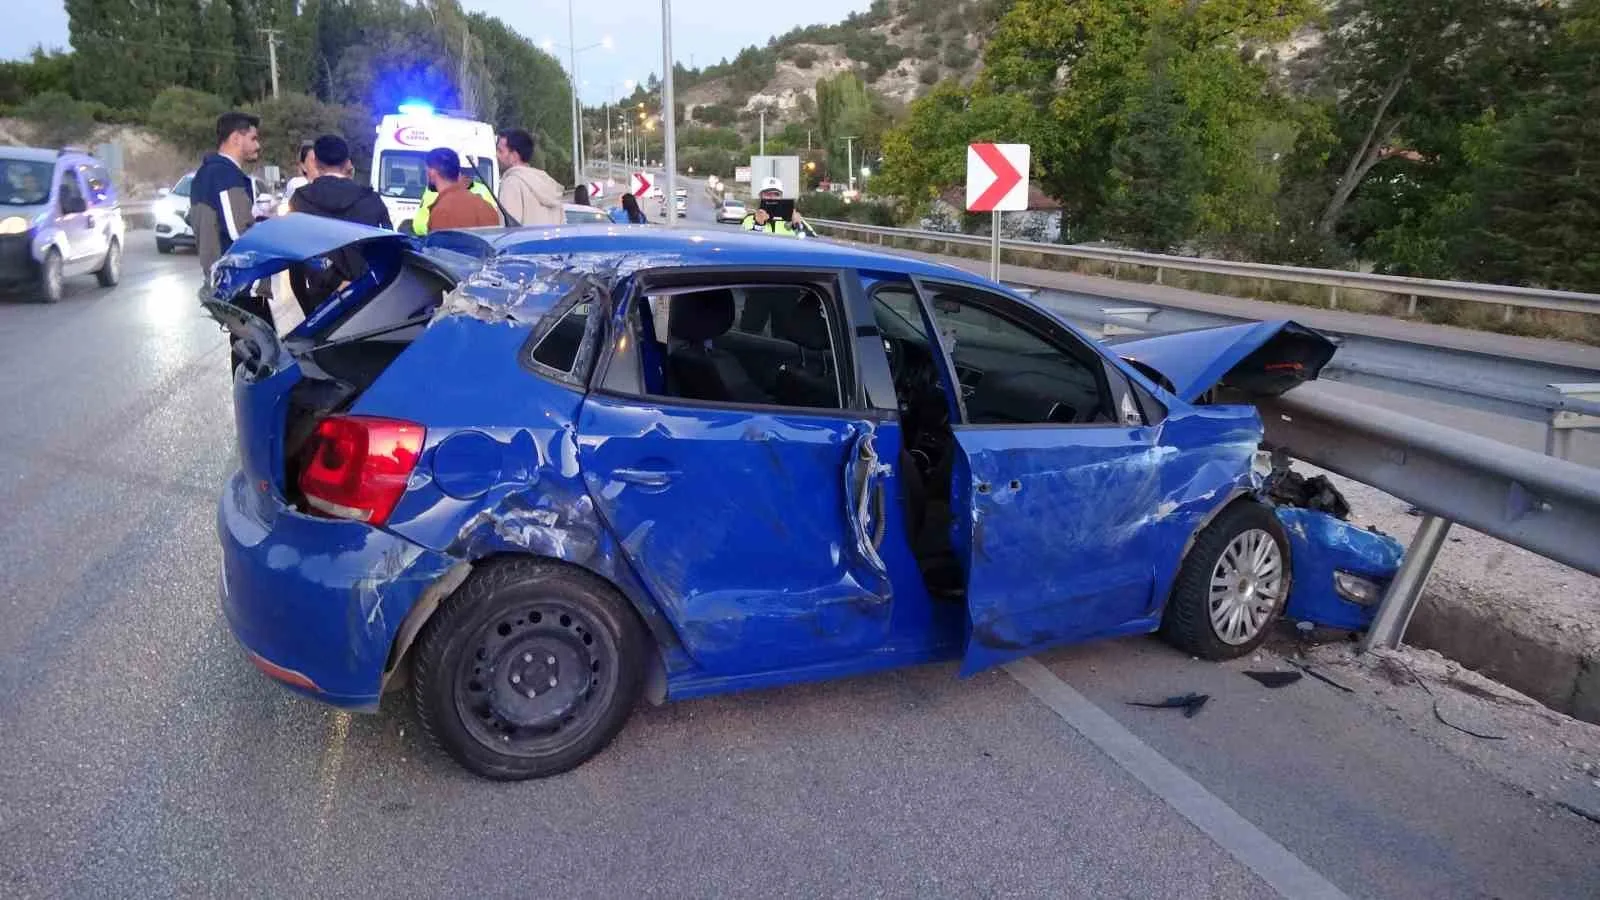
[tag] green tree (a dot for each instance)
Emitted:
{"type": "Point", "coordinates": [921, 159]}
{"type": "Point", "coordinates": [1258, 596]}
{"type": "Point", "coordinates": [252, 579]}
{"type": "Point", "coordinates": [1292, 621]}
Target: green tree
{"type": "Point", "coordinates": [58, 119]}
{"type": "Point", "coordinates": [1154, 175]}
{"type": "Point", "coordinates": [186, 118]}
{"type": "Point", "coordinates": [1534, 217]}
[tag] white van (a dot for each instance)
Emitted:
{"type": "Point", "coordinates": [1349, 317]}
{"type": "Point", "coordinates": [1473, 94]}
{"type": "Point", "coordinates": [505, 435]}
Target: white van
{"type": "Point", "coordinates": [399, 170]}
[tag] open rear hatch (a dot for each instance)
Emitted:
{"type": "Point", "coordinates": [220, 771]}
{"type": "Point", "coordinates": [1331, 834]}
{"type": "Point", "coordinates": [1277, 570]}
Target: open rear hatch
{"type": "Point", "coordinates": [286, 384]}
{"type": "Point", "coordinates": [1258, 359]}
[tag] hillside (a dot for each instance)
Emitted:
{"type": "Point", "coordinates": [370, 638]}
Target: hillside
{"type": "Point", "coordinates": [901, 48]}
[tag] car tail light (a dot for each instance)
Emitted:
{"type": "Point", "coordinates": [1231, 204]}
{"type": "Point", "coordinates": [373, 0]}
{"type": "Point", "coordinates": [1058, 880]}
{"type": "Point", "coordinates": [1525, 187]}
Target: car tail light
{"type": "Point", "coordinates": [357, 466]}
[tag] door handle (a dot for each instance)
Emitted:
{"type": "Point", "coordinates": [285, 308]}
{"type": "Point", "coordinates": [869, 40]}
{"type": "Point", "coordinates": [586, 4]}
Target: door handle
{"type": "Point", "coordinates": [656, 478]}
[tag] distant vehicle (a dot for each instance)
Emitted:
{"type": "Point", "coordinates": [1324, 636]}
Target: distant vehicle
{"type": "Point", "coordinates": [171, 212]}
{"type": "Point", "coordinates": [578, 214]}
{"type": "Point", "coordinates": [399, 170]}
{"type": "Point", "coordinates": [682, 205]}
{"type": "Point", "coordinates": [59, 217]}
{"type": "Point", "coordinates": [731, 211]}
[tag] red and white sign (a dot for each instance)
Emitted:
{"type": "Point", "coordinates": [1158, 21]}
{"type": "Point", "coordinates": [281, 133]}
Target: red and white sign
{"type": "Point", "coordinates": [411, 136]}
{"type": "Point", "coordinates": [641, 184]}
{"type": "Point", "coordinates": [596, 190]}
{"type": "Point", "coordinates": [997, 177]}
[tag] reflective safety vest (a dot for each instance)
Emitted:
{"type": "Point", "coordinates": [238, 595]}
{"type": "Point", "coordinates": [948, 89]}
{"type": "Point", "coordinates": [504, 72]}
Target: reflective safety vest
{"type": "Point", "coordinates": [419, 222]}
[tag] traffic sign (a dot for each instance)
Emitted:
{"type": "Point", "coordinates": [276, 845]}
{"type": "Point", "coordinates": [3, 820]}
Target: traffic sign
{"type": "Point", "coordinates": [596, 190]}
{"type": "Point", "coordinates": [997, 177]}
{"type": "Point", "coordinates": [641, 183]}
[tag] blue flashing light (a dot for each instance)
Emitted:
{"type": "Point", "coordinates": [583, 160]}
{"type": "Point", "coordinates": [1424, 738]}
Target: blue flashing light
{"type": "Point", "coordinates": [416, 108]}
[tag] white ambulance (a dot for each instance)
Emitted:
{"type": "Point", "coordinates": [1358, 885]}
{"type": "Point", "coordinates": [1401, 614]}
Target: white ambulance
{"type": "Point", "coordinates": [399, 170]}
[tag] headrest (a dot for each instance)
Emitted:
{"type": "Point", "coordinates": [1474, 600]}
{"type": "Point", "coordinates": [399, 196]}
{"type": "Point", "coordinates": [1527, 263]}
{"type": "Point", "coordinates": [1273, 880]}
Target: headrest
{"type": "Point", "coordinates": [700, 316]}
{"type": "Point", "coordinates": [805, 324]}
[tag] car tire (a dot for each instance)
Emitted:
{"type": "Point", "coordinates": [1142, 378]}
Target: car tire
{"type": "Point", "coordinates": [51, 277]}
{"type": "Point", "coordinates": [163, 247]}
{"type": "Point", "coordinates": [1231, 586]}
{"type": "Point", "coordinates": [110, 271]}
{"type": "Point", "coordinates": [488, 674]}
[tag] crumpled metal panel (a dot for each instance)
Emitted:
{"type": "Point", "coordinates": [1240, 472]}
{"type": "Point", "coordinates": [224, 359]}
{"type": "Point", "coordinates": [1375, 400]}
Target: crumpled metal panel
{"type": "Point", "coordinates": [1319, 546]}
{"type": "Point", "coordinates": [1078, 533]}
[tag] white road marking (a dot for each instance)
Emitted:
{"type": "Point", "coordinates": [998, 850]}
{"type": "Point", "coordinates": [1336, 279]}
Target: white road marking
{"type": "Point", "coordinates": [1270, 860]}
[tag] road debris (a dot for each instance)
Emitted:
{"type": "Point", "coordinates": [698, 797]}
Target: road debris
{"type": "Point", "coordinates": [1274, 679]}
{"type": "Point", "coordinates": [1189, 703]}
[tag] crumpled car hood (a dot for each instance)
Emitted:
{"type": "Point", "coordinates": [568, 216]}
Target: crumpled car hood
{"type": "Point", "coordinates": [1259, 358]}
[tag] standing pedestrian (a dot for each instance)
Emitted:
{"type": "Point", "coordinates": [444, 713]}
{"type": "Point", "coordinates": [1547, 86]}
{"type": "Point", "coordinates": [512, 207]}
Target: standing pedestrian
{"type": "Point", "coordinates": [333, 194]}
{"type": "Point", "coordinates": [457, 206]}
{"type": "Point", "coordinates": [580, 195]}
{"type": "Point", "coordinates": [302, 177]}
{"type": "Point", "coordinates": [629, 212]}
{"type": "Point", "coordinates": [222, 196]}
{"type": "Point", "coordinates": [529, 195]}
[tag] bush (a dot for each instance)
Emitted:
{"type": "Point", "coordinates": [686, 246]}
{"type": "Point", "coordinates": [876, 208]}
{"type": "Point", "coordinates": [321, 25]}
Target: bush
{"type": "Point", "coordinates": [718, 114]}
{"type": "Point", "coordinates": [186, 118]}
{"type": "Point", "coordinates": [929, 74]}
{"type": "Point", "coordinates": [805, 58]}
{"type": "Point", "coordinates": [58, 119]}
{"type": "Point", "coordinates": [293, 118]}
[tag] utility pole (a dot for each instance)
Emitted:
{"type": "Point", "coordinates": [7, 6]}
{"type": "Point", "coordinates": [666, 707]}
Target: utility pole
{"type": "Point", "coordinates": [669, 155]}
{"type": "Point", "coordinates": [577, 125]}
{"type": "Point", "coordinates": [272, 56]}
{"type": "Point", "coordinates": [763, 150]}
{"type": "Point", "coordinates": [850, 158]}
{"type": "Point", "coordinates": [610, 102]}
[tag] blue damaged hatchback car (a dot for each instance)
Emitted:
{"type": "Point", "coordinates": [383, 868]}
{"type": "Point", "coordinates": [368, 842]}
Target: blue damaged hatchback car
{"type": "Point", "coordinates": [539, 474]}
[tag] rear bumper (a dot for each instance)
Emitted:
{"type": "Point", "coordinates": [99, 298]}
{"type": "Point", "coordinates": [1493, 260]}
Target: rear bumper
{"type": "Point", "coordinates": [316, 602]}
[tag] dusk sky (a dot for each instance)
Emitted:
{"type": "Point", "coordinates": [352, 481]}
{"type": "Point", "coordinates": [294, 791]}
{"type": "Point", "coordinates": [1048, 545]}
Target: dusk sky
{"type": "Point", "coordinates": [703, 32]}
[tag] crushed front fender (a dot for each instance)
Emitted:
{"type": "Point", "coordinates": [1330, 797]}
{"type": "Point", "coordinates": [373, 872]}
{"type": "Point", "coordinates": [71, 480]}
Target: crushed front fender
{"type": "Point", "coordinates": [1326, 551]}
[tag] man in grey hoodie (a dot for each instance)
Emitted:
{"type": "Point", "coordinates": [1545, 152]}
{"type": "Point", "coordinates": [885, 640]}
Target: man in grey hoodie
{"type": "Point", "coordinates": [530, 195]}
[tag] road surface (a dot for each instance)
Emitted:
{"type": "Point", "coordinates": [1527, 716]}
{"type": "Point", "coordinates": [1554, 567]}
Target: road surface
{"type": "Point", "coordinates": [145, 757]}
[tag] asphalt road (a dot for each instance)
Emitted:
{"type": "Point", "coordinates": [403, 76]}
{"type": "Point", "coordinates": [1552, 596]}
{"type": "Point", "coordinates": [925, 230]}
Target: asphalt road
{"type": "Point", "coordinates": [145, 757]}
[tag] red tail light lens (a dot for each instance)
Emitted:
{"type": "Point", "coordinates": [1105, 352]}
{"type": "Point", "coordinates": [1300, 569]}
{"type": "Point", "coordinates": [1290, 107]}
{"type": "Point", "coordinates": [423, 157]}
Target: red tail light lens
{"type": "Point", "coordinates": [357, 466]}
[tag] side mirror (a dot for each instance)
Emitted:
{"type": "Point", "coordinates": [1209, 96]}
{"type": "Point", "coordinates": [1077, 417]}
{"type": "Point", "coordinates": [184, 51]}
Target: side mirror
{"type": "Point", "coordinates": [73, 206]}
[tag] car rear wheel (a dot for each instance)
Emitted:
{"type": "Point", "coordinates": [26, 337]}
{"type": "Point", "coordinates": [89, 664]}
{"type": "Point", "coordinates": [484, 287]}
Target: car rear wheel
{"type": "Point", "coordinates": [1232, 585]}
{"type": "Point", "coordinates": [51, 277]}
{"type": "Point", "coordinates": [111, 270]}
{"type": "Point", "coordinates": [528, 669]}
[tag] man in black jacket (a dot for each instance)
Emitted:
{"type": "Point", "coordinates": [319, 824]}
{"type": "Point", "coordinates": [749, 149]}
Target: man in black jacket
{"type": "Point", "coordinates": [333, 194]}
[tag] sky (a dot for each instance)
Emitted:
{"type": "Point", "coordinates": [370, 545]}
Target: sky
{"type": "Point", "coordinates": [703, 32]}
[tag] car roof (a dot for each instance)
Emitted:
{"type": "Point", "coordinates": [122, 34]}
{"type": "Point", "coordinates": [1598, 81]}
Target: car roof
{"type": "Point", "coordinates": [633, 247]}
{"type": "Point", "coordinates": [37, 154]}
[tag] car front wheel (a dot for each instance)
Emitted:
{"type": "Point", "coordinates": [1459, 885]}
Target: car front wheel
{"type": "Point", "coordinates": [51, 277]}
{"type": "Point", "coordinates": [111, 270]}
{"type": "Point", "coordinates": [1231, 586]}
{"type": "Point", "coordinates": [529, 669]}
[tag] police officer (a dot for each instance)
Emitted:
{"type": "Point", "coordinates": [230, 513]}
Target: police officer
{"type": "Point", "coordinates": [419, 222]}
{"type": "Point", "coordinates": [772, 189]}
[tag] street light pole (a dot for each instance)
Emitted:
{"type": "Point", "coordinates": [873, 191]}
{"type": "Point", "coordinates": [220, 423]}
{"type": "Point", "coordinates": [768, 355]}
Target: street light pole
{"type": "Point", "coordinates": [670, 155]}
{"type": "Point", "coordinates": [572, 55]}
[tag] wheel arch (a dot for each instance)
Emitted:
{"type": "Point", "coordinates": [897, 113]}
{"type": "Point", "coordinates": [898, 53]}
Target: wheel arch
{"type": "Point", "coordinates": [1238, 496]}
{"type": "Point", "coordinates": [428, 604]}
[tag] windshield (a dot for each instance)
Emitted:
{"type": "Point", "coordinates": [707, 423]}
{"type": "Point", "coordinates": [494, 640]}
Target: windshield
{"type": "Point", "coordinates": [403, 174]}
{"type": "Point", "coordinates": [25, 182]}
{"type": "Point", "coordinates": [182, 187]}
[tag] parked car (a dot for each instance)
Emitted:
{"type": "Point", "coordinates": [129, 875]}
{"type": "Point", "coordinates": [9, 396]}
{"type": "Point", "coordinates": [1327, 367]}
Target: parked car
{"type": "Point", "coordinates": [171, 212]}
{"type": "Point", "coordinates": [731, 212]}
{"type": "Point", "coordinates": [551, 472]}
{"type": "Point", "coordinates": [60, 217]}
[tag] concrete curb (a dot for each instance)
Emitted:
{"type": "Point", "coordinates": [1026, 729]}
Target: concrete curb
{"type": "Point", "coordinates": [1553, 667]}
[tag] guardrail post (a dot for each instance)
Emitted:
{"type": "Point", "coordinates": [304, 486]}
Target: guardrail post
{"type": "Point", "coordinates": [1411, 305]}
{"type": "Point", "coordinates": [1158, 274]}
{"type": "Point", "coordinates": [1394, 614]}
{"type": "Point", "coordinates": [1563, 422]}
{"type": "Point", "coordinates": [1333, 296]}
{"type": "Point", "coordinates": [1506, 316]}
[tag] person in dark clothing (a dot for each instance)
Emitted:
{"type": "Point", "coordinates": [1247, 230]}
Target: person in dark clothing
{"type": "Point", "coordinates": [580, 195]}
{"type": "Point", "coordinates": [629, 212]}
{"type": "Point", "coordinates": [222, 196]}
{"type": "Point", "coordinates": [333, 194]}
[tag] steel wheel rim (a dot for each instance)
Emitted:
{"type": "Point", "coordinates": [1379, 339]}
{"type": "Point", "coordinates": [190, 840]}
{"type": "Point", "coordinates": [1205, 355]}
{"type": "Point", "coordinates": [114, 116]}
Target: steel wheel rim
{"type": "Point", "coordinates": [535, 678]}
{"type": "Point", "coordinates": [1247, 584]}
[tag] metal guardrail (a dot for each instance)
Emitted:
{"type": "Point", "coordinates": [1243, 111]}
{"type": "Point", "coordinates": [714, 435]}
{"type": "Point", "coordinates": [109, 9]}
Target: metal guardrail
{"type": "Point", "coordinates": [1412, 288]}
{"type": "Point", "coordinates": [1548, 506]}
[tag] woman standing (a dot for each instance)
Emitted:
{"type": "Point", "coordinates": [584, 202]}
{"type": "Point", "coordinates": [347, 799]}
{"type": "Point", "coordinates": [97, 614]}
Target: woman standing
{"type": "Point", "coordinates": [629, 213]}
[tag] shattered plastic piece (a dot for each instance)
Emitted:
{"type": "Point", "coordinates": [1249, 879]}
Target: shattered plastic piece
{"type": "Point", "coordinates": [1289, 488]}
{"type": "Point", "coordinates": [1321, 677]}
{"type": "Point", "coordinates": [1274, 679]}
{"type": "Point", "coordinates": [1189, 703]}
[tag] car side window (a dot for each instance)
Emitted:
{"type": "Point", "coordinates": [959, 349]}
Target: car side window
{"type": "Point", "coordinates": [558, 349]}
{"type": "Point", "coordinates": [750, 343]}
{"type": "Point", "coordinates": [1011, 371]}
{"type": "Point", "coordinates": [70, 189]}
{"type": "Point", "coordinates": [98, 182]}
